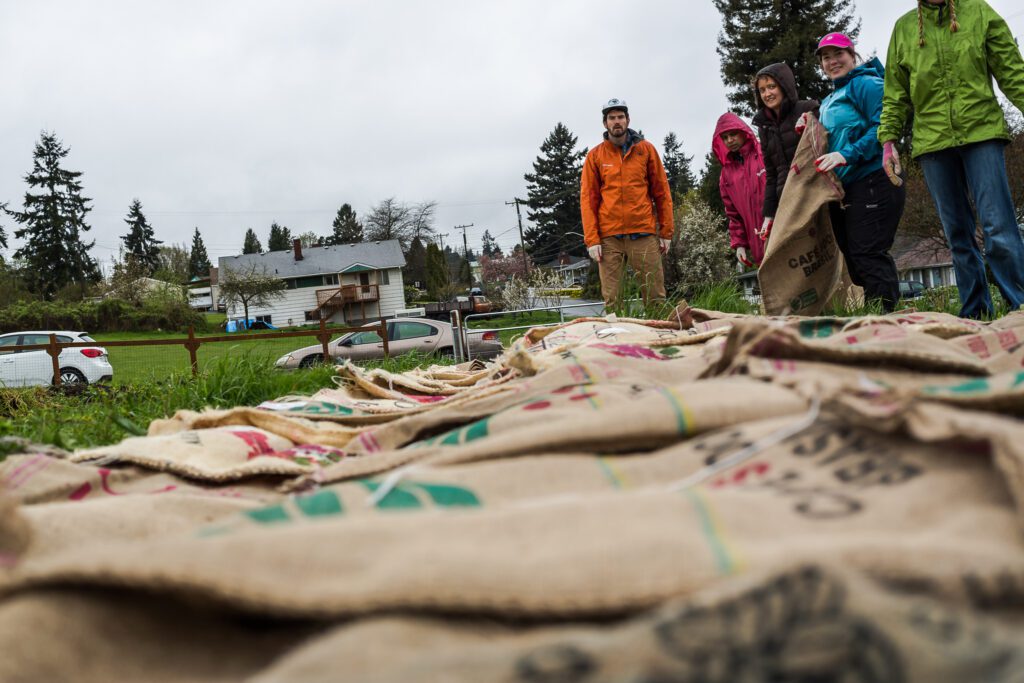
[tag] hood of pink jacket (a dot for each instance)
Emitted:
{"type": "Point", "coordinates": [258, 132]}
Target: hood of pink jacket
{"type": "Point", "coordinates": [727, 122]}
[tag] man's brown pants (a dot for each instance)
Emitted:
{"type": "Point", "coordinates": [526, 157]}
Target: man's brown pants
{"type": "Point", "coordinates": [643, 256]}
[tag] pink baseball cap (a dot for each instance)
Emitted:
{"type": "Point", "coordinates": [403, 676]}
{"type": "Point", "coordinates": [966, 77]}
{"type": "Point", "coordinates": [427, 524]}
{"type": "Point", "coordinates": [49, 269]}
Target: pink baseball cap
{"type": "Point", "coordinates": [839, 40]}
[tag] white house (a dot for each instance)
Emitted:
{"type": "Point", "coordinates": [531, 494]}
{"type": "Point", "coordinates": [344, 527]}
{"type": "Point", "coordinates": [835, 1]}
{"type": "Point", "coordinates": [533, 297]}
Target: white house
{"type": "Point", "coordinates": [343, 284]}
{"type": "Point", "coordinates": [203, 294]}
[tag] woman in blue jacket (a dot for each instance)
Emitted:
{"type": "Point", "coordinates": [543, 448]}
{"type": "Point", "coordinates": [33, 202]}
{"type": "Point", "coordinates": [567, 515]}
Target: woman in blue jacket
{"type": "Point", "coordinates": [865, 222]}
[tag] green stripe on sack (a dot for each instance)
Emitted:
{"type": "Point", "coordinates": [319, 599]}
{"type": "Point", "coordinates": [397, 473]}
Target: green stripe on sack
{"type": "Point", "coordinates": [320, 504]}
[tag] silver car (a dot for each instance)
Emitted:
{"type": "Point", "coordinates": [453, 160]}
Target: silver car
{"type": "Point", "coordinates": [404, 335]}
{"type": "Point", "coordinates": [84, 365]}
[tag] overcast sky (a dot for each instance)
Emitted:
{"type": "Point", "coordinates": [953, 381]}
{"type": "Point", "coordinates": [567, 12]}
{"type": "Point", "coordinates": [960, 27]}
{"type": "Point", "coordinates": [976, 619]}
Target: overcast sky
{"type": "Point", "coordinates": [231, 114]}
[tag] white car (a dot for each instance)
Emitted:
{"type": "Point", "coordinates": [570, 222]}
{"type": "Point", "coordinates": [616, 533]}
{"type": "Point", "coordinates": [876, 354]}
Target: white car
{"type": "Point", "coordinates": [79, 365]}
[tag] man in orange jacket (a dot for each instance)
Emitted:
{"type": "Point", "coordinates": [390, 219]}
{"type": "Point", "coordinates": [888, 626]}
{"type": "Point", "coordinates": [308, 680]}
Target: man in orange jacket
{"type": "Point", "coordinates": [627, 207]}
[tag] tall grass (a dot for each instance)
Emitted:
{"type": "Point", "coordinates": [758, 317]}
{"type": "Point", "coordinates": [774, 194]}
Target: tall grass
{"type": "Point", "coordinates": [98, 415]}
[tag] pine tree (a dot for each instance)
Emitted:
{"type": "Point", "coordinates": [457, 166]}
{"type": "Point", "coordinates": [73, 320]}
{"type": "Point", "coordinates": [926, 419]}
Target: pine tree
{"type": "Point", "coordinates": [347, 229]}
{"type": "Point", "coordinates": [677, 167]}
{"type": "Point", "coordinates": [489, 246]}
{"type": "Point", "coordinates": [415, 263]}
{"type": "Point", "coordinates": [280, 238]}
{"type": "Point", "coordinates": [139, 244]}
{"type": "Point", "coordinates": [3, 235]}
{"type": "Point", "coordinates": [553, 193]}
{"type": "Point", "coordinates": [756, 33]}
{"type": "Point", "coordinates": [252, 243]}
{"type": "Point", "coordinates": [707, 188]}
{"type": "Point", "coordinates": [437, 272]}
{"type": "Point", "coordinates": [198, 260]}
{"type": "Point", "coordinates": [53, 222]}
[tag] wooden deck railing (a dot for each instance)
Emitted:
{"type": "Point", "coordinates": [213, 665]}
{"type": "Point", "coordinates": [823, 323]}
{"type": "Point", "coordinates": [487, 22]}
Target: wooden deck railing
{"type": "Point", "coordinates": [347, 294]}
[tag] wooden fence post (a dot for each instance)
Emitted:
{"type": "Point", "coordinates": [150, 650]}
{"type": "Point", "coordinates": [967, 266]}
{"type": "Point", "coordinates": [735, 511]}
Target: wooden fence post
{"type": "Point", "coordinates": [192, 345]}
{"type": "Point", "coordinates": [384, 337]}
{"type": "Point", "coordinates": [54, 352]}
{"type": "Point", "coordinates": [325, 338]}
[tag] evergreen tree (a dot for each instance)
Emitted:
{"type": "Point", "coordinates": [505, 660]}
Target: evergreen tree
{"type": "Point", "coordinates": [707, 188]}
{"type": "Point", "coordinates": [416, 263]}
{"type": "Point", "coordinates": [489, 246]}
{"type": "Point", "coordinates": [677, 167]}
{"type": "Point", "coordinates": [553, 195]}
{"type": "Point", "coordinates": [280, 238]}
{"type": "Point", "coordinates": [756, 33]}
{"type": "Point", "coordinates": [3, 235]}
{"type": "Point", "coordinates": [139, 244]}
{"type": "Point", "coordinates": [198, 260]}
{"type": "Point", "coordinates": [347, 229]}
{"type": "Point", "coordinates": [252, 243]}
{"type": "Point", "coordinates": [53, 222]}
{"type": "Point", "coordinates": [437, 272]}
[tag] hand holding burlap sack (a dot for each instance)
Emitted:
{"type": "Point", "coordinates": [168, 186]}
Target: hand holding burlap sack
{"type": "Point", "coordinates": [802, 265]}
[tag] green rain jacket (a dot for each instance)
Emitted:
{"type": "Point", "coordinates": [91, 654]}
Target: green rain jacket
{"type": "Point", "coordinates": [947, 84]}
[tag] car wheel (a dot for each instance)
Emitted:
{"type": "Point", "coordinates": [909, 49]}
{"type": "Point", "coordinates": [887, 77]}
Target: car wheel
{"type": "Point", "coordinates": [311, 360]}
{"type": "Point", "coordinates": [70, 376]}
{"type": "Point", "coordinates": [446, 352]}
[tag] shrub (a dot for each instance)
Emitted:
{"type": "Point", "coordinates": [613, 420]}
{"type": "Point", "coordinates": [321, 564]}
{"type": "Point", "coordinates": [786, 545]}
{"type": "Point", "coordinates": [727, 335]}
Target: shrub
{"type": "Point", "coordinates": [105, 315]}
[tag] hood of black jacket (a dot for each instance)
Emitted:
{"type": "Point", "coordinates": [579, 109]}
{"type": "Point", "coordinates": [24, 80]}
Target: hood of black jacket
{"type": "Point", "coordinates": [783, 75]}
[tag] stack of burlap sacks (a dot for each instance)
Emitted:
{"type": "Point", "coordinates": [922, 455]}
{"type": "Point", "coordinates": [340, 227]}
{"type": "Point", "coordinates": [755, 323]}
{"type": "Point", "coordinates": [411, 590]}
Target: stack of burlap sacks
{"type": "Point", "coordinates": [710, 498]}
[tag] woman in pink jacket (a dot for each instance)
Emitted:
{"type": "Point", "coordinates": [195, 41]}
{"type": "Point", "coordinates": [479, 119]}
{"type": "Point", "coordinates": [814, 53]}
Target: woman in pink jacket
{"type": "Point", "coordinates": [741, 186]}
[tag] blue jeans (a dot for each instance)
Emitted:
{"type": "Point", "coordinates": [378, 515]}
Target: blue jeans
{"type": "Point", "coordinates": [981, 169]}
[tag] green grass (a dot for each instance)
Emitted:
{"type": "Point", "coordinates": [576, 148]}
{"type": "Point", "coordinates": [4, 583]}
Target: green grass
{"type": "Point", "coordinates": [96, 415]}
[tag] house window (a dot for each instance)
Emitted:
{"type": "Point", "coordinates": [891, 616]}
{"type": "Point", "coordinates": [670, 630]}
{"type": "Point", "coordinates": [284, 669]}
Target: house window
{"type": "Point", "coordinates": [311, 281]}
{"type": "Point", "coordinates": [385, 278]}
{"type": "Point", "coordinates": [330, 279]}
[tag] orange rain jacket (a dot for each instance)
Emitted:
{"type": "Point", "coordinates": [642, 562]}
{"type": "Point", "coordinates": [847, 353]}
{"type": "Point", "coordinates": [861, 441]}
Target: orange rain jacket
{"type": "Point", "coordinates": [627, 194]}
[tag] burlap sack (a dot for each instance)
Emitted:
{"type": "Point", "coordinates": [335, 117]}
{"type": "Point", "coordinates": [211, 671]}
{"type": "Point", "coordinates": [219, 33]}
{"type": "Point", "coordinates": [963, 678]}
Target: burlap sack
{"type": "Point", "coordinates": [883, 345]}
{"type": "Point", "coordinates": [216, 454]}
{"type": "Point", "coordinates": [36, 479]}
{"type": "Point", "coordinates": [804, 624]}
{"type": "Point", "coordinates": [936, 516]}
{"type": "Point", "coordinates": [14, 531]}
{"type": "Point", "coordinates": [120, 636]}
{"type": "Point", "coordinates": [291, 427]}
{"type": "Point", "coordinates": [802, 265]}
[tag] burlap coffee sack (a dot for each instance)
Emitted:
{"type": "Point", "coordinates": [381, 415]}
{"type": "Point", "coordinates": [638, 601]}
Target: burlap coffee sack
{"type": "Point", "coordinates": [14, 531]}
{"type": "Point", "coordinates": [606, 362]}
{"type": "Point", "coordinates": [1001, 350]}
{"type": "Point", "coordinates": [36, 479]}
{"type": "Point", "coordinates": [883, 345]}
{"type": "Point", "coordinates": [802, 265]}
{"type": "Point", "coordinates": [115, 636]}
{"type": "Point", "coordinates": [383, 384]}
{"type": "Point", "coordinates": [807, 623]}
{"type": "Point", "coordinates": [593, 330]}
{"type": "Point", "coordinates": [291, 427]}
{"type": "Point", "coordinates": [603, 418]}
{"type": "Point", "coordinates": [936, 516]}
{"type": "Point", "coordinates": [216, 454]}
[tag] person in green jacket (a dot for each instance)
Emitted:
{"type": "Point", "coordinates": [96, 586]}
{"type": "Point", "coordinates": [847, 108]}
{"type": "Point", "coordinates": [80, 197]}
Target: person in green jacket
{"type": "Point", "coordinates": [941, 62]}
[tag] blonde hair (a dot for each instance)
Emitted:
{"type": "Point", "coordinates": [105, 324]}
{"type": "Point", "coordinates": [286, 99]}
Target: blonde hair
{"type": "Point", "coordinates": [954, 25]}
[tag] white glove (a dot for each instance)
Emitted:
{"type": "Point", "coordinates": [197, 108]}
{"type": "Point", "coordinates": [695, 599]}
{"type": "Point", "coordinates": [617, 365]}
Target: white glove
{"type": "Point", "coordinates": [595, 252]}
{"type": "Point", "coordinates": [801, 123]}
{"type": "Point", "coordinates": [830, 161]}
{"type": "Point", "coordinates": [766, 227]}
{"type": "Point", "coordinates": [741, 256]}
{"type": "Point", "coordinates": [663, 245]}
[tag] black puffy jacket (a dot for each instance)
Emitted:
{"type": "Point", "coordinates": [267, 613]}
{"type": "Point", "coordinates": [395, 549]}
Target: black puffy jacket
{"type": "Point", "coordinates": [777, 133]}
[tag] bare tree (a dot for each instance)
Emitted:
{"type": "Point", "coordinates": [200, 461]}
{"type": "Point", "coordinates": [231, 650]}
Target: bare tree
{"type": "Point", "coordinates": [250, 287]}
{"type": "Point", "coordinates": [391, 219]}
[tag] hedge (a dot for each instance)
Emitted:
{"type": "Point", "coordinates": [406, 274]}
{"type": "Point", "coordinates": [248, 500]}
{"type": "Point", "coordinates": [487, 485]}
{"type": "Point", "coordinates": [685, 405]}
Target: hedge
{"type": "Point", "coordinates": [106, 315]}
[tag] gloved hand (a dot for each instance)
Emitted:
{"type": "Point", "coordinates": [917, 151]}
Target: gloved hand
{"type": "Point", "coordinates": [595, 252]}
{"type": "Point", "coordinates": [663, 245]}
{"type": "Point", "coordinates": [741, 256]}
{"type": "Point", "coordinates": [766, 227]}
{"type": "Point", "coordinates": [891, 162]}
{"type": "Point", "coordinates": [830, 161]}
{"type": "Point", "coordinates": [801, 123]}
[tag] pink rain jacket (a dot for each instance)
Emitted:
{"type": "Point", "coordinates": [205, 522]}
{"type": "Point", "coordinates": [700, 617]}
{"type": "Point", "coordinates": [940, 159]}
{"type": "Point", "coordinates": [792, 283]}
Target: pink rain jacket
{"type": "Point", "coordinates": [742, 186]}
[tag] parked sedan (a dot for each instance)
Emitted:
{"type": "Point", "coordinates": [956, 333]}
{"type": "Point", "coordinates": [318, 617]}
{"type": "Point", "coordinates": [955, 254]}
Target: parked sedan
{"type": "Point", "coordinates": [79, 365]}
{"type": "Point", "coordinates": [404, 335]}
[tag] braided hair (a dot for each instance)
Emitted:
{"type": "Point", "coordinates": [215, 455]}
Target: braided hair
{"type": "Point", "coordinates": [954, 25]}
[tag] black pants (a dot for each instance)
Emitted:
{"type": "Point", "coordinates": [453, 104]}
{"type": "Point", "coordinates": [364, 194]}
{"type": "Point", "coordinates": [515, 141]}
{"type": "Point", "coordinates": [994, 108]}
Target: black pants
{"type": "Point", "coordinates": [865, 226]}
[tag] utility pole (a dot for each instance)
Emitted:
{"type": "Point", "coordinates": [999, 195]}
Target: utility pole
{"type": "Point", "coordinates": [519, 217]}
{"type": "Point", "coordinates": [465, 247]}
{"type": "Point", "coordinates": [441, 236]}
{"type": "Point", "coordinates": [465, 242]}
